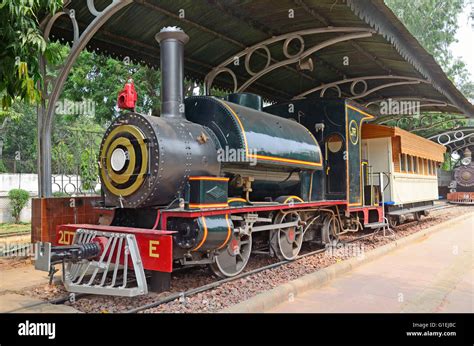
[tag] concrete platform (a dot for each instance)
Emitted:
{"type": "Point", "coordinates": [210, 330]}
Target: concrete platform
{"type": "Point", "coordinates": [16, 303]}
{"type": "Point", "coordinates": [14, 281]}
{"type": "Point", "coordinates": [434, 274]}
{"type": "Point", "coordinates": [17, 279]}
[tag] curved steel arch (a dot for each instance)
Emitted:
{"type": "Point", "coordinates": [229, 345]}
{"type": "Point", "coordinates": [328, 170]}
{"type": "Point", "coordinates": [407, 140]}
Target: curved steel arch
{"type": "Point", "coordinates": [301, 55]}
{"type": "Point", "coordinates": [424, 102]}
{"type": "Point", "coordinates": [439, 103]}
{"type": "Point", "coordinates": [447, 138]}
{"type": "Point", "coordinates": [46, 111]}
{"type": "Point", "coordinates": [420, 123]}
{"type": "Point", "coordinates": [460, 147]}
{"type": "Point", "coordinates": [354, 81]}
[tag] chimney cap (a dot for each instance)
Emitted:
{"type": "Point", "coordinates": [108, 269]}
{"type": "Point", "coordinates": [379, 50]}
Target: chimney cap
{"type": "Point", "coordinates": [172, 32]}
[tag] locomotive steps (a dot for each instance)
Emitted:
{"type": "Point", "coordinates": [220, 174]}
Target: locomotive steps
{"type": "Point", "coordinates": [265, 301]}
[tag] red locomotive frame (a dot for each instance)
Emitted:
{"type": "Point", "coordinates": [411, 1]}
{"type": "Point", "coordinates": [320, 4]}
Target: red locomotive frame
{"type": "Point", "coordinates": [156, 245]}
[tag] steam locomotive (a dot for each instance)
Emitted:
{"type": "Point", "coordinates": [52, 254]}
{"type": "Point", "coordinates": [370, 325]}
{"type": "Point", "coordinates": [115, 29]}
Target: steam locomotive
{"type": "Point", "coordinates": [462, 187]}
{"type": "Point", "coordinates": [212, 180]}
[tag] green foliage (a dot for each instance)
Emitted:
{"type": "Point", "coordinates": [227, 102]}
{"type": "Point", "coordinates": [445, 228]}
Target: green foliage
{"type": "Point", "coordinates": [20, 47]}
{"type": "Point", "coordinates": [19, 136]}
{"type": "Point", "coordinates": [434, 24]}
{"type": "Point", "coordinates": [72, 135]}
{"type": "Point", "coordinates": [18, 200]}
{"type": "Point", "coordinates": [100, 79]}
{"type": "Point", "coordinates": [447, 165]}
{"type": "Point", "coordinates": [426, 125]}
{"type": "Point", "coordinates": [88, 170]}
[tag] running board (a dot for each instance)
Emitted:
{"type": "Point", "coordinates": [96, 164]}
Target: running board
{"type": "Point", "coordinates": [410, 210]}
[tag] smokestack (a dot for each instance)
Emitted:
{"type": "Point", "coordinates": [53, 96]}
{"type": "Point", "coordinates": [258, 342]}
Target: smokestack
{"type": "Point", "coordinates": [172, 40]}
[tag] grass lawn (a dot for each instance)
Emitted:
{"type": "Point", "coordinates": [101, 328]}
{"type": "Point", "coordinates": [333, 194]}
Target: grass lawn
{"type": "Point", "coordinates": [6, 228]}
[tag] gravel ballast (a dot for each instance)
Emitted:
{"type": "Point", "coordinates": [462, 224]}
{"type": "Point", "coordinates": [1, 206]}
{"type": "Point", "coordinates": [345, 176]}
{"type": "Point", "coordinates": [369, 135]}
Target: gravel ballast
{"type": "Point", "coordinates": [234, 292]}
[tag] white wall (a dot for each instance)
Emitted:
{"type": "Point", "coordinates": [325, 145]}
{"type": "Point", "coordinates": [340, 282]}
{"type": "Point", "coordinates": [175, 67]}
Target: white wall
{"type": "Point", "coordinates": [29, 182]}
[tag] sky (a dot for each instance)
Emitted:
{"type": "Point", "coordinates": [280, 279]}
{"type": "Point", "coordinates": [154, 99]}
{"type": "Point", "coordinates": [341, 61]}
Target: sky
{"type": "Point", "coordinates": [464, 48]}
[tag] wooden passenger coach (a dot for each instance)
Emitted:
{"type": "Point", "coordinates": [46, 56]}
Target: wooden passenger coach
{"type": "Point", "coordinates": [410, 166]}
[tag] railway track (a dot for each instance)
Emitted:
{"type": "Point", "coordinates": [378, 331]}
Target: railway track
{"type": "Point", "coordinates": [207, 287]}
{"type": "Point", "coordinates": [14, 234]}
{"type": "Point", "coordinates": [173, 296]}
{"type": "Point", "coordinates": [213, 285]}
{"type": "Point", "coordinates": [55, 301]}
{"type": "Point", "coordinates": [193, 291]}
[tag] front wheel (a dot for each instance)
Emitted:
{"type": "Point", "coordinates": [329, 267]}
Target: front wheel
{"type": "Point", "coordinates": [286, 242]}
{"type": "Point", "coordinates": [233, 259]}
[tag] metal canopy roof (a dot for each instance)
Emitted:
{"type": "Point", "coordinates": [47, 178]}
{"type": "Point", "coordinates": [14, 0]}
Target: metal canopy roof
{"type": "Point", "coordinates": [382, 60]}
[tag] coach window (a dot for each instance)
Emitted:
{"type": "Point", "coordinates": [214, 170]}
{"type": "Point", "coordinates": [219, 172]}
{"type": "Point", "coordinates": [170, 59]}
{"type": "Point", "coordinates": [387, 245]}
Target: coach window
{"type": "Point", "coordinates": [430, 168]}
{"type": "Point", "coordinates": [415, 164]}
{"type": "Point", "coordinates": [425, 166]}
{"type": "Point", "coordinates": [403, 162]}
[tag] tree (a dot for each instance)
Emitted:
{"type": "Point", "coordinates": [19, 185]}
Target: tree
{"type": "Point", "coordinates": [99, 78]}
{"type": "Point", "coordinates": [20, 47]}
{"type": "Point", "coordinates": [19, 138]}
{"type": "Point", "coordinates": [434, 24]}
{"type": "Point", "coordinates": [18, 200]}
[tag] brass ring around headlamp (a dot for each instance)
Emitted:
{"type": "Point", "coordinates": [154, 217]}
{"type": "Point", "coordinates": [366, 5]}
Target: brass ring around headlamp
{"type": "Point", "coordinates": [111, 178]}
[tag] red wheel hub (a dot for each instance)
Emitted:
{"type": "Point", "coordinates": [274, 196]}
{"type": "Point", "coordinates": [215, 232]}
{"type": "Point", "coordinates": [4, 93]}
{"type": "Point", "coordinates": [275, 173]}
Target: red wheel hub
{"type": "Point", "coordinates": [291, 234]}
{"type": "Point", "coordinates": [234, 246]}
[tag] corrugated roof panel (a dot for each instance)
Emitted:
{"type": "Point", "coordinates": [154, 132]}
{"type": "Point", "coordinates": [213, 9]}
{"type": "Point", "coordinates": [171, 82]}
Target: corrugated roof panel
{"type": "Point", "coordinates": [220, 29]}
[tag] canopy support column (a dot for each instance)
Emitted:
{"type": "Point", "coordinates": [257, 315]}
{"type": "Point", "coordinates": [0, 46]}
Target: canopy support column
{"type": "Point", "coordinates": [46, 110]}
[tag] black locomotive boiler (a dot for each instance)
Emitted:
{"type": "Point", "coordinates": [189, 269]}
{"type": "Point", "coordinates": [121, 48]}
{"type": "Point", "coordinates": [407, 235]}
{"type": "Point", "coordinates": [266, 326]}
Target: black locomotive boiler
{"type": "Point", "coordinates": [212, 180]}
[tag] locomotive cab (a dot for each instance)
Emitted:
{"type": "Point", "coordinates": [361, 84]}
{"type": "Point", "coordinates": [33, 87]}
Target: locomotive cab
{"type": "Point", "coordinates": [337, 126]}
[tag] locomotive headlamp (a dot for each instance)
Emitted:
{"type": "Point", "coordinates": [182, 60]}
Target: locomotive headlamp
{"type": "Point", "coordinates": [118, 159]}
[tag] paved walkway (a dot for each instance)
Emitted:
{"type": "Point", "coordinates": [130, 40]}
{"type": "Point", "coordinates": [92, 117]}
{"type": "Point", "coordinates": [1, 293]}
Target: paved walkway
{"type": "Point", "coordinates": [13, 286]}
{"type": "Point", "coordinates": [435, 274]}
